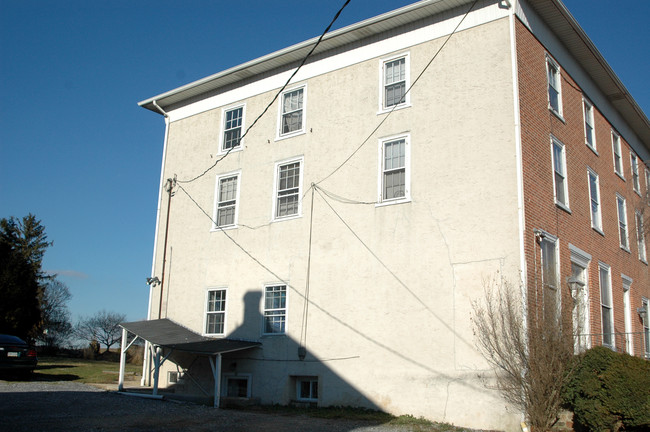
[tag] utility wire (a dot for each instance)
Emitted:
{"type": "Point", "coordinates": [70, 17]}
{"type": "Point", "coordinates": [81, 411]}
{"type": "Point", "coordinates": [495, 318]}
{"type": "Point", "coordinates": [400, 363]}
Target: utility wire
{"type": "Point", "coordinates": [401, 99]}
{"type": "Point", "coordinates": [274, 97]}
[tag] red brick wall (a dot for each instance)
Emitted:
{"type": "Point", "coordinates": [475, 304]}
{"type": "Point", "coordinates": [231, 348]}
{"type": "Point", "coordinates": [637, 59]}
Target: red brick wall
{"type": "Point", "coordinates": [537, 125]}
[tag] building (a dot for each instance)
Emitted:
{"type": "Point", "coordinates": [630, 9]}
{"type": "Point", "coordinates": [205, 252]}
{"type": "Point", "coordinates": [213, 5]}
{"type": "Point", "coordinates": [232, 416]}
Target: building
{"type": "Point", "coordinates": [415, 155]}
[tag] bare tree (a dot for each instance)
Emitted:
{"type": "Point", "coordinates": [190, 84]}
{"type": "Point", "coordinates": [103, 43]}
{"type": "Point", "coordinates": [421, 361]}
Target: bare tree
{"type": "Point", "coordinates": [102, 328]}
{"type": "Point", "coordinates": [57, 327]}
{"type": "Point", "coordinates": [529, 350]}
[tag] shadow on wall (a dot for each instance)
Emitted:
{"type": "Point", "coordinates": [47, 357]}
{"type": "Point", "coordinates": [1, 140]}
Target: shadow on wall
{"type": "Point", "coordinates": [279, 372]}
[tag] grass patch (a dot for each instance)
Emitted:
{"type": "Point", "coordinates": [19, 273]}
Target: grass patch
{"type": "Point", "coordinates": [80, 370]}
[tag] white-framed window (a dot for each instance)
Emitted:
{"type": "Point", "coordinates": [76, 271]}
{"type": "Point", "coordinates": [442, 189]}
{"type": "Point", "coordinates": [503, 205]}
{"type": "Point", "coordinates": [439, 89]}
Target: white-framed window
{"type": "Point", "coordinates": [640, 236]}
{"type": "Point", "coordinates": [606, 306]}
{"type": "Point", "coordinates": [590, 130]}
{"type": "Point", "coordinates": [226, 199]}
{"type": "Point", "coordinates": [175, 377]}
{"type": "Point", "coordinates": [395, 170]}
{"type": "Point", "coordinates": [395, 82]}
{"type": "Point", "coordinates": [616, 150]}
{"type": "Point", "coordinates": [236, 385]}
{"type": "Point", "coordinates": [554, 86]}
{"type": "Point", "coordinates": [233, 128]}
{"type": "Point", "coordinates": [558, 153]}
{"type": "Point", "coordinates": [594, 197]}
{"type": "Point", "coordinates": [275, 309]}
{"type": "Point", "coordinates": [550, 275]}
{"type": "Point", "coordinates": [579, 284]}
{"type": "Point", "coordinates": [645, 305]}
{"type": "Point", "coordinates": [634, 167]}
{"type": "Point", "coordinates": [288, 187]}
{"type": "Point", "coordinates": [307, 389]}
{"type": "Point", "coordinates": [215, 311]}
{"type": "Point", "coordinates": [292, 115]}
{"type": "Point", "coordinates": [621, 208]}
{"type": "Point", "coordinates": [627, 314]}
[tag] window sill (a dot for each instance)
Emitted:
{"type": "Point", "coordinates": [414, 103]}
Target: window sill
{"type": "Point", "coordinates": [286, 218]}
{"type": "Point", "coordinates": [638, 192]}
{"type": "Point", "coordinates": [393, 202]}
{"type": "Point", "coordinates": [562, 206]}
{"type": "Point", "coordinates": [397, 108]}
{"type": "Point", "coordinates": [598, 230]}
{"type": "Point", "coordinates": [626, 249]}
{"type": "Point", "coordinates": [592, 148]}
{"type": "Point", "coordinates": [222, 152]}
{"type": "Point", "coordinates": [224, 228]}
{"type": "Point", "coordinates": [620, 175]}
{"type": "Point", "coordinates": [643, 261]}
{"type": "Point", "coordinates": [557, 114]}
{"type": "Point", "coordinates": [290, 135]}
{"type": "Point", "coordinates": [273, 335]}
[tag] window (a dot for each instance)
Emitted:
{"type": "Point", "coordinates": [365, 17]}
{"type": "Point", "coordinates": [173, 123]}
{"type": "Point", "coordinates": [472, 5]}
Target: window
{"type": "Point", "coordinates": [307, 389]}
{"type": "Point", "coordinates": [227, 197]}
{"type": "Point", "coordinates": [646, 326]}
{"type": "Point", "coordinates": [579, 286]}
{"type": "Point", "coordinates": [394, 82]}
{"type": "Point", "coordinates": [647, 185]}
{"type": "Point", "coordinates": [590, 135]}
{"type": "Point", "coordinates": [233, 123]}
{"type": "Point", "coordinates": [627, 314]}
{"type": "Point", "coordinates": [174, 377]}
{"type": "Point", "coordinates": [292, 112]}
{"type": "Point", "coordinates": [622, 222]}
{"type": "Point", "coordinates": [634, 166]}
{"type": "Point", "coordinates": [275, 309]}
{"type": "Point", "coordinates": [215, 317]}
{"type": "Point", "coordinates": [550, 268]}
{"type": "Point", "coordinates": [594, 195]}
{"type": "Point", "coordinates": [616, 148]}
{"type": "Point", "coordinates": [640, 236]}
{"type": "Point", "coordinates": [606, 310]}
{"type": "Point", "coordinates": [394, 183]}
{"type": "Point", "coordinates": [554, 88]}
{"type": "Point", "coordinates": [288, 185]}
{"type": "Point", "coordinates": [559, 174]}
{"type": "Point", "coordinates": [236, 385]}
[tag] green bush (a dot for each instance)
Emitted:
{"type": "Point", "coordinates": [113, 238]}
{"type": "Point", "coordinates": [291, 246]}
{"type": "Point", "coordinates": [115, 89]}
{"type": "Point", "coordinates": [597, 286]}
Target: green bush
{"type": "Point", "coordinates": [609, 390]}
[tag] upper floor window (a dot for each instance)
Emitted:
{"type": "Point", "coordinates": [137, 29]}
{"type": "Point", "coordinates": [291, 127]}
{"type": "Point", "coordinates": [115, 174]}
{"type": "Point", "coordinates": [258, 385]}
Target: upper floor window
{"type": "Point", "coordinates": [616, 149]}
{"type": "Point", "coordinates": [606, 307]}
{"type": "Point", "coordinates": [590, 135]}
{"type": "Point", "coordinates": [554, 87]}
{"type": "Point", "coordinates": [394, 183]}
{"type": "Point", "coordinates": [394, 82]}
{"type": "Point", "coordinates": [594, 195]}
{"type": "Point", "coordinates": [559, 174]}
{"type": "Point", "coordinates": [275, 309]}
{"type": "Point", "coordinates": [226, 200]}
{"type": "Point", "coordinates": [292, 112]}
{"type": "Point", "coordinates": [640, 236]}
{"type": "Point", "coordinates": [288, 184]}
{"type": "Point", "coordinates": [634, 166]}
{"type": "Point", "coordinates": [233, 123]}
{"type": "Point", "coordinates": [622, 222]}
{"type": "Point", "coordinates": [215, 315]}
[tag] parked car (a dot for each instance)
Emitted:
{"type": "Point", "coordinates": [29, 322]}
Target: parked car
{"type": "Point", "coordinates": [16, 356]}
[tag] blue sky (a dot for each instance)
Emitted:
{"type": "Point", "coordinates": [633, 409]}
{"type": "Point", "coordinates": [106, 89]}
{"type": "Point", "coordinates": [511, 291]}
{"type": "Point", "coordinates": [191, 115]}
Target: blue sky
{"type": "Point", "coordinates": [77, 151]}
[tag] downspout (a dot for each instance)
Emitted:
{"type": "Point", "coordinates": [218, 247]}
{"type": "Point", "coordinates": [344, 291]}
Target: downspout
{"type": "Point", "coordinates": [146, 366]}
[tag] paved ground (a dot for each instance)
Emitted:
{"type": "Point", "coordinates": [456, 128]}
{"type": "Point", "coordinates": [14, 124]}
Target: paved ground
{"type": "Point", "coordinates": [69, 406]}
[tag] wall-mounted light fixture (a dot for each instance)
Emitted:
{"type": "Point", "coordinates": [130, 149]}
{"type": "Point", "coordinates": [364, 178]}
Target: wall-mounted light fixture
{"type": "Point", "coordinates": [575, 285]}
{"type": "Point", "coordinates": [643, 313]}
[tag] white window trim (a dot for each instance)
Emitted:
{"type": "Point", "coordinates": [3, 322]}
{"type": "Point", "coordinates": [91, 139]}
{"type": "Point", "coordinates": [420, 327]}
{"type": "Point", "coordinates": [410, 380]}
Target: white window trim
{"type": "Point", "coordinates": [608, 269]}
{"type": "Point", "coordinates": [634, 170]}
{"type": "Point", "coordinates": [407, 170]}
{"type": "Point", "coordinates": [240, 147]}
{"type": "Point", "coordinates": [640, 237]}
{"type": "Point", "coordinates": [299, 380]}
{"type": "Point", "coordinates": [205, 312]}
{"type": "Point", "coordinates": [407, 83]}
{"type": "Point", "coordinates": [247, 376]}
{"type": "Point", "coordinates": [588, 114]}
{"type": "Point", "coordinates": [301, 160]}
{"type": "Point", "coordinates": [625, 246]}
{"type": "Point", "coordinates": [278, 131]}
{"type": "Point", "coordinates": [596, 225]}
{"type": "Point", "coordinates": [547, 237]}
{"type": "Point", "coordinates": [617, 150]}
{"type": "Point", "coordinates": [562, 205]}
{"type": "Point", "coordinates": [558, 112]}
{"type": "Point", "coordinates": [627, 314]}
{"type": "Point", "coordinates": [286, 308]}
{"type": "Point", "coordinates": [216, 201]}
{"type": "Point", "coordinates": [645, 325]}
{"type": "Point", "coordinates": [582, 259]}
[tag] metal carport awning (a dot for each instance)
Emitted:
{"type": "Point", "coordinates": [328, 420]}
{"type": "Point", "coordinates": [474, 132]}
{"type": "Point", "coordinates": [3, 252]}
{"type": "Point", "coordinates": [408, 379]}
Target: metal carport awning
{"type": "Point", "coordinates": [165, 333]}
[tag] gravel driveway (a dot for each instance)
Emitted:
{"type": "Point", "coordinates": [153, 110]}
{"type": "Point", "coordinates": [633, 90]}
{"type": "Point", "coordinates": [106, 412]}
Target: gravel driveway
{"type": "Point", "coordinates": [68, 406]}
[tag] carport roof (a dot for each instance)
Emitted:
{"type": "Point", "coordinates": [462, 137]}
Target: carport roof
{"type": "Point", "coordinates": [166, 333]}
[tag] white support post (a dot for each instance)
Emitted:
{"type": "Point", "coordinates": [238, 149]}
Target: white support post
{"type": "Point", "coordinates": [216, 372]}
{"type": "Point", "coordinates": [156, 371]}
{"type": "Point", "coordinates": [120, 384]}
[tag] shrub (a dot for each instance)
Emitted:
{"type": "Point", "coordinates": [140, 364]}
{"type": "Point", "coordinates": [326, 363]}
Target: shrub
{"type": "Point", "coordinates": [609, 390]}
